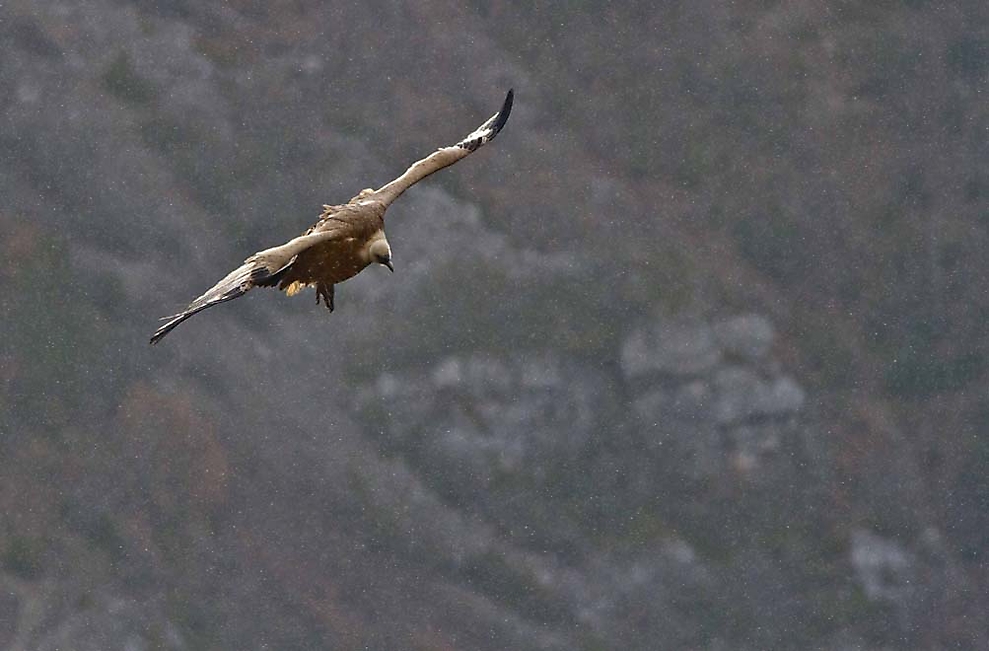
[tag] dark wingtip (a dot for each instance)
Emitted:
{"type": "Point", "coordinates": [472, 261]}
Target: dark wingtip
{"type": "Point", "coordinates": [506, 110]}
{"type": "Point", "coordinates": [168, 327]}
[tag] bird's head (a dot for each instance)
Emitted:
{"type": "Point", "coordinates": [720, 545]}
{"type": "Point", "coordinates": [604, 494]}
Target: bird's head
{"type": "Point", "coordinates": [380, 253]}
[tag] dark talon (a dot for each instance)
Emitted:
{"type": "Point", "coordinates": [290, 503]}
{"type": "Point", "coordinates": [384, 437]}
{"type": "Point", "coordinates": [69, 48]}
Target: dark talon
{"type": "Point", "coordinates": [326, 293]}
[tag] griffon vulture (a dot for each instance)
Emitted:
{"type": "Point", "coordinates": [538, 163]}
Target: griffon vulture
{"type": "Point", "coordinates": [343, 241]}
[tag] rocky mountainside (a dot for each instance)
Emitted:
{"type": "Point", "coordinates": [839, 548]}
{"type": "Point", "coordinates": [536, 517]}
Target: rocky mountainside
{"type": "Point", "coordinates": [691, 357]}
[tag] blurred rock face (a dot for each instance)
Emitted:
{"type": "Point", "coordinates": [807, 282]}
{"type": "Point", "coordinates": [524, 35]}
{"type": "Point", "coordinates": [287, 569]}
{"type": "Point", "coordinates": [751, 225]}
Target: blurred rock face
{"type": "Point", "coordinates": [539, 445]}
{"type": "Point", "coordinates": [685, 360]}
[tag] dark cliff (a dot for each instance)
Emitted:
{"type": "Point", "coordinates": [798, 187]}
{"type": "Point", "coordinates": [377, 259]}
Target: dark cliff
{"type": "Point", "coordinates": [691, 357]}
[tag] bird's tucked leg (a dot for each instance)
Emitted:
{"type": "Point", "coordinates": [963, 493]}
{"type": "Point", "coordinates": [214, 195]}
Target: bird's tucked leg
{"type": "Point", "coordinates": [326, 293]}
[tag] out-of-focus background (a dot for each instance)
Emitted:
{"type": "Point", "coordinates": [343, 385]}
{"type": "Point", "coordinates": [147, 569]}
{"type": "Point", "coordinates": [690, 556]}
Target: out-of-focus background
{"type": "Point", "coordinates": [693, 356]}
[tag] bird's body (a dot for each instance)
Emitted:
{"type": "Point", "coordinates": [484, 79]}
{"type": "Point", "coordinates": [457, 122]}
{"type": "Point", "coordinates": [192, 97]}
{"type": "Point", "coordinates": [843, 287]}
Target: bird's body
{"type": "Point", "coordinates": [355, 226]}
{"type": "Point", "coordinates": [346, 238]}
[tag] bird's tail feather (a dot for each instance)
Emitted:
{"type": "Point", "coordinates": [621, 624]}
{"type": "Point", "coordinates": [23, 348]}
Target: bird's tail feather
{"type": "Point", "coordinates": [238, 282]}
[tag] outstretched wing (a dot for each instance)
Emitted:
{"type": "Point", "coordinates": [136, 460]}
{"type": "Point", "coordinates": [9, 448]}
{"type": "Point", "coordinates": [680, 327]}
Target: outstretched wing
{"type": "Point", "coordinates": [263, 269]}
{"type": "Point", "coordinates": [446, 156]}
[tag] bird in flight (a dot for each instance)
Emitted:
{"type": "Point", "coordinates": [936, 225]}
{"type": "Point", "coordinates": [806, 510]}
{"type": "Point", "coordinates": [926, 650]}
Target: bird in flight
{"type": "Point", "coordinates": [343, 241]}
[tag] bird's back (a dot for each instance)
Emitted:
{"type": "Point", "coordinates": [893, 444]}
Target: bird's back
{"type": "Point", "coordinates": [339, 258]}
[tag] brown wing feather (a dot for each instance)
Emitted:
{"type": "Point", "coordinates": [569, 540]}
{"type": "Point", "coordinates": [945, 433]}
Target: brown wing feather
{"type": "Point", "coordinates": [446, 156]}
{"type": "Point", "coordinates": [263, 269]}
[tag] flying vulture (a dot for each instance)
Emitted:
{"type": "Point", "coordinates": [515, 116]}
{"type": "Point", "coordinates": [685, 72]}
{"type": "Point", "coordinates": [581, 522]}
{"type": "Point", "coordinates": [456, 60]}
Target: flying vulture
{"type": "Point", "coordinates": [343, 241]}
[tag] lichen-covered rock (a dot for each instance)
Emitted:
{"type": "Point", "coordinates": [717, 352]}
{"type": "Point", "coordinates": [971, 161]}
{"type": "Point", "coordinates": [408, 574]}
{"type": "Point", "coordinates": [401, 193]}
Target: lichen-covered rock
{"type": "Point", "coordinates": [670, 347]}
{"type": "Point", "coordinates": [740, 394]}
{"type": "Point", "coordinates": [746, 336]}
{"type": "Point", "coordinates": [883, 568]}
{"type": "Point", "coordinates": [476, 419]}
{"type": "Point", "coordinates": [710, 397]}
